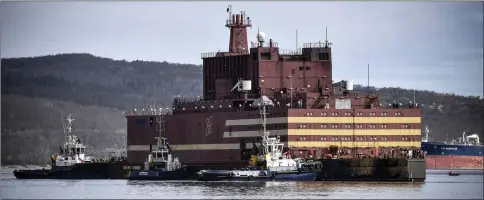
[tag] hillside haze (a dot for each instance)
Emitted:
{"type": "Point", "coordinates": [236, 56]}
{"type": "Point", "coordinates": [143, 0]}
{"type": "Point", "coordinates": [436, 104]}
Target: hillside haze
{"type": "Point", "coordinates": [37, 92]}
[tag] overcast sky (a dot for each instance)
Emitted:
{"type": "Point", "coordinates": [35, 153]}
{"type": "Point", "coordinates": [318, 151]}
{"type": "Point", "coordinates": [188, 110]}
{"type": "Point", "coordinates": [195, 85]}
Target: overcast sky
{"type": "Point", "coordinates": [421, 45]}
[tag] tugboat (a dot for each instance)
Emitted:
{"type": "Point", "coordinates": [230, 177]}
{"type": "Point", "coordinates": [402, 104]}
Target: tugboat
{"type": "Point", "coordinates": [278, 165]}
{"type": "Point", "coordinates": [160, 165]}
{"type": "Point", "coordinates": [72, 163]}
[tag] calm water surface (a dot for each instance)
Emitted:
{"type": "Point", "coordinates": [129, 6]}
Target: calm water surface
{"type": "Point", "coordinates": [469, 185]}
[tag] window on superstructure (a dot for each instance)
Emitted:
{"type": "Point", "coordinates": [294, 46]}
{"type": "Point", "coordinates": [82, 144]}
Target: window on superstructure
{"type": "Point", "coordinates": [384, 113]}
{"type": "Point", "coordinates": [335, 138]}
{"type": "Point", "coordinates": [265, 56]}
{"type": "Point", "coordinates": [324, 114]}
{"type": "Point", "coordinates": [323, 125]}
{"type": "Point", "coordinates": [301, 68]}
{"type": "Point", "coordinates": [323, 56]}
{"type": "Point", "coordinates": [384, 126]}
{"type": "Point", "coordinates": [254, 56]}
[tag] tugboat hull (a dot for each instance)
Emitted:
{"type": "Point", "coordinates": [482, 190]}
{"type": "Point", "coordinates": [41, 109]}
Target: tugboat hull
{"type": "Point", "coordinates": [182, 174]}
{"type": "Point", "coordinates": [77, 171]}
{"type": "Point", "coordinates": [31, 174]}
{"type": "Point", "coordinates": [226, 175]}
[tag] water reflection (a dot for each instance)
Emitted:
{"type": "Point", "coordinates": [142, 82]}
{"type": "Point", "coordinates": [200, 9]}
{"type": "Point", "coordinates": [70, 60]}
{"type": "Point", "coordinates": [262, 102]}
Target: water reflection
{"type": "Point", "coordinates": [437, 185]}
{"type": "Point", "coordinates": [246, 189]}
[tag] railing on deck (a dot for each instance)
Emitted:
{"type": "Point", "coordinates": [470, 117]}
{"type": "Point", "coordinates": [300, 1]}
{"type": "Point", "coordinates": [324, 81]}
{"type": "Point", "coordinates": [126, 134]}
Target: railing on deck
{"type": "Point", "coordinates": [223, 54]}
{"type": "Point", "coordinates": [167, 111]}
{"type": "Point", "coordinates": [317, 45]}
{"type": "Point", "coordinates": [290, 52]}
{"type": "Point", "coordinates": [264, 44]}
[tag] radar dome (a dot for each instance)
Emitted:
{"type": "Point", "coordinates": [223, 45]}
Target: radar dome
{"type": "Point", "coordinates": [261, 36]}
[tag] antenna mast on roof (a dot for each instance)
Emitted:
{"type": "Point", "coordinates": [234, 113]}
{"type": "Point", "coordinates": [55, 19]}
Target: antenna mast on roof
{"type": "Point", "coordinates": [146, 99]}
{"type": "Point", "coordinates": [368, 86]}
{"type": "Point", "coordinates": [297, 46]}
{"type": "Point", "coordinates": [326, 42]}
{"type": "Point", "coordinates": [229, 10]}
{"type": "Point", "coordinates": [154, 98]}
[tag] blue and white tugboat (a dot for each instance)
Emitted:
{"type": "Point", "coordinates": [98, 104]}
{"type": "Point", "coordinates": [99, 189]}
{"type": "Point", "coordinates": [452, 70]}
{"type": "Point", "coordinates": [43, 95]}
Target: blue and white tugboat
{"type": "Point", "coordinates": [160, 164]}
{"type": "Point", "coordinates": [277, 166]}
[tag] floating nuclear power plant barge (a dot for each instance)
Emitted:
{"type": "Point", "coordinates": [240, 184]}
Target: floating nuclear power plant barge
{"type": "Point", "coordinates": [352, 134]}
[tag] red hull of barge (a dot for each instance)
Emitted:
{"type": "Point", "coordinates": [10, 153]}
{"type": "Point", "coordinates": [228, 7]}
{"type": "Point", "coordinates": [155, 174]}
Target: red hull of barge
{"type": "Point", "coordinates": [455, 162]}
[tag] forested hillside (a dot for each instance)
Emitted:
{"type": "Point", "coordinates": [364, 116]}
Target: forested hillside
{"type": "Point", "coordinates": [37, 92]}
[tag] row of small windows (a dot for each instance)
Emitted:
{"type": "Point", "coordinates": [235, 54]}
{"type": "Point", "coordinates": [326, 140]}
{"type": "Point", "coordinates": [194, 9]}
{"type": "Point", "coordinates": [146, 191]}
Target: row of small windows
{"type": "Point", "coordinates": [332, 126]}
{"type": "Point", "coordinates": [357, 114]}
{"type": "Point", "coordinates": [325, 114]}
{"type": "Point", "coordinates": [357, 126]}
{"type": "Point", "coordinates": [358, 138]}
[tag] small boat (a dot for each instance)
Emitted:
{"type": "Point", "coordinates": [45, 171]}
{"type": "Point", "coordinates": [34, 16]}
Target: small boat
{"type": "Point", "coordinates": [278, 166]}
{"type": "Point", "coordinates": [160, 164]}
{"type": "Point", "coordinates": [451, 173]}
